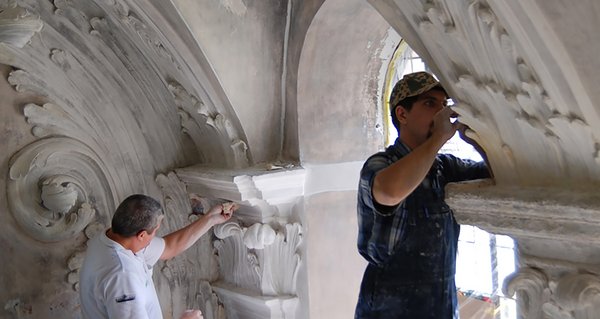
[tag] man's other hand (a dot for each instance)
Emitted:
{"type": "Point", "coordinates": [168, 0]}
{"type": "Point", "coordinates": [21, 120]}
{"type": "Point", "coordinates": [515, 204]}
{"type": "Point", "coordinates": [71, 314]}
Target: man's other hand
{"type": "Point", "coordinates": [192, 314]}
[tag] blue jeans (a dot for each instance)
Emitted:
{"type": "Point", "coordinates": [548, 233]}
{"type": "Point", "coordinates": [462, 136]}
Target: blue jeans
{"type": "Point", "coordinates": [418, 281]}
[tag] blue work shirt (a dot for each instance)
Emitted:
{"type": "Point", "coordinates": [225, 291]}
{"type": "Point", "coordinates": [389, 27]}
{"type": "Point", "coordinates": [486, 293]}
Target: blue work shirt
{"type": "Point", "coordinates": [411, 247]}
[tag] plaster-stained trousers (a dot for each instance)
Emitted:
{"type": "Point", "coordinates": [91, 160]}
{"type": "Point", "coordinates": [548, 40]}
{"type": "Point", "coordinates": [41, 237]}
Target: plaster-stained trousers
{"type": "Point", "coordinates": [418, 279]}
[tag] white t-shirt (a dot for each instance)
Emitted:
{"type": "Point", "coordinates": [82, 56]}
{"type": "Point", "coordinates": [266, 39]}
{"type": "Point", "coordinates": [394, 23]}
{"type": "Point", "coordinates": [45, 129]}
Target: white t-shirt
{"type": "Point", "coordinates": [116, 283]}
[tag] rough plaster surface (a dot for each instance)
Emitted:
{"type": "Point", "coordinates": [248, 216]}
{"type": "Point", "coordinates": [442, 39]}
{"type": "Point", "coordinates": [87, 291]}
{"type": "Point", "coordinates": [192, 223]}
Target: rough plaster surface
{"type": "Point", "coordinates": [303, 13]}
{"type": "Point", "coordinates": [338, 76]}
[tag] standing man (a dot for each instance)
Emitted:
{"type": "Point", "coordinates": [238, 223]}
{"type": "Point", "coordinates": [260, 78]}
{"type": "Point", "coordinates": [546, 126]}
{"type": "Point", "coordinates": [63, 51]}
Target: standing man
{"type": "Point", "coordinates": [116, 276]}
{"type": "Point", "coordinates": [407, 232]}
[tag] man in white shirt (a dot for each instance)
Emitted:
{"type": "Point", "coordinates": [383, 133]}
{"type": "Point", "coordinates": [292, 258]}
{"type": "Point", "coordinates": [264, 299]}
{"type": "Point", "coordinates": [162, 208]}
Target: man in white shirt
{"type": "Point", "coordinates": [116, 276]}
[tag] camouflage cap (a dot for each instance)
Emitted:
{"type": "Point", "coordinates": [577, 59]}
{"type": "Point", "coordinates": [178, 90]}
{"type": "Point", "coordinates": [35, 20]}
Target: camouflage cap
{"type": "Point", "coordinates": [412, 84]}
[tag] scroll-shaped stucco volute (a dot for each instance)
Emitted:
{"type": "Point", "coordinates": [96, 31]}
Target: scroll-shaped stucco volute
{"type": "Point", "coordinates": [237, 265]}
{"type": "Point", "coordinates": [532, 286]}
{"type": "Point", "coordinates": [59, 194]}
{"type": "Point", "coordinates": [17, 25]}
{"type": "Point", "coordinates": [258, 236]}
{"type": "Point", "coordinates": [579, 293]}
{"type": "Point", "coordinates": [55, 188]}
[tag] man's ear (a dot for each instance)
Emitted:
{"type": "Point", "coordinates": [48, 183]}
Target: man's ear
{"type": "Point", "coordinates": [401, 113]}
{"type": "Point", "coordinates": [142, 235]}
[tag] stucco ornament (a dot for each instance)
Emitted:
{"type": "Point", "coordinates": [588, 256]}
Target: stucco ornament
{"type": "Point", "coordinates": [532, 286]}
{"type": "Point", "coordinates": [258, 236]}
{"type": "Point", "coordinates": [205, 127]}
{"type": "Point", "coordinates": [507, 83]}
{"type": "Point", "coordinates": [17, 25]}
{"type": "Point", "coordinates": [578, 294]}
{"type": "Point", "coordinates": [188, 276]}
{"type": "Point", "coordinates": [54, 188]}
{"type": "Point", "coordinates": [269, 258]}
{"type": "Point", "coordinates": [59, 193]}
{"type": "Point", "coordinates": [259, 260]}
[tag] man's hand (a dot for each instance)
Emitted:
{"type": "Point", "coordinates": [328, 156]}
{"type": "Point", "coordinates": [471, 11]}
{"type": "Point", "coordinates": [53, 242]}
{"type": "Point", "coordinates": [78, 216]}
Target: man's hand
{"type": "Point", "coordinates": [443, 128]}
{"type": "Point", "coordinates": [192, 314]}
{"type": "Point", "coordinates": [462, 132]}
{"type": "Point", "coordinates": [221, 213]}
{"type": "Point", "coordinates": [180, 240]}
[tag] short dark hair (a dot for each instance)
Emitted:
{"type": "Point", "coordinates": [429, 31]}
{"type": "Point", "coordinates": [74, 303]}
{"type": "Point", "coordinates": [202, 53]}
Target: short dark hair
{"type": "Point", "coordinates": [136, 213]}
{"type": "Point", "coordinates": [407, 104]}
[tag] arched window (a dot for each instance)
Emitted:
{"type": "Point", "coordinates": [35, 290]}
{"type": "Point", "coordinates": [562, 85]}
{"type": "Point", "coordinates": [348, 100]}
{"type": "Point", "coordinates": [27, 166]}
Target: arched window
{"type": "Point", "coordinates": [484, 259]}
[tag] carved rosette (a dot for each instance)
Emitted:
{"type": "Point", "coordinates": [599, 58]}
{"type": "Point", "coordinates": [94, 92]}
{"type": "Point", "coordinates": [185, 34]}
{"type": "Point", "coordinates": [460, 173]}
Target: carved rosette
{"type": "Point", "coordinates": [55, 188]}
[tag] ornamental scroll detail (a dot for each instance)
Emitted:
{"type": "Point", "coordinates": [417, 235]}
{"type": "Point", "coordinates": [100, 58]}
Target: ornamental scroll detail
{"type": "Point", "coordinates": [562, 296]}
{"type": "Point", "coordinates": [259, 258]}
{"type": "Point", "coordinates": [55, 188]}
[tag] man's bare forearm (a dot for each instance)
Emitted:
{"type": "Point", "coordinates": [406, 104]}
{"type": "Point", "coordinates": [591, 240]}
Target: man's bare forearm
{"type": "Point", "coordinates": [182, 239]}
{"type": "Point", "coordinates": [394, 183]}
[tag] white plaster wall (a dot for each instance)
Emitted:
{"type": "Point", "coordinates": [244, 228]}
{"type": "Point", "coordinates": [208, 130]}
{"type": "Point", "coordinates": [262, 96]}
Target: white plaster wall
{"type": "Point", "coordinates": [334, 266]}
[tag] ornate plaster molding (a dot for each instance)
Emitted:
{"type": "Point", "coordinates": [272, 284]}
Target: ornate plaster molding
{"type": "Point", "coordinates": [254, 306]}
{"type": "Point", "coordinates": [106, 67]}
{"type": "Point", "coordinates": [528, 212]}
{"type": "Point", "coordinates": [567, 296]}
{"type": "Point", "coordinates": [205, 128]}
{"type": "Point", "coordinates": [259, 250]}
{"type": "Point", "coordinates": [259, 269]}
{"type": "Point", "coordinates": [17, 25]}
{"type": "Point", "coordinates": [507, 85]}
{"type": "Point", "coordinates": [532, 286]}
{"type": "Point", "coordinates": [270, 194]}
{"type": "Point", "coordinates": [578, 295]}
{"type": "Point", "coordinates": [189, 274]}
{"type": "Point", "coordinates": [55, 188]}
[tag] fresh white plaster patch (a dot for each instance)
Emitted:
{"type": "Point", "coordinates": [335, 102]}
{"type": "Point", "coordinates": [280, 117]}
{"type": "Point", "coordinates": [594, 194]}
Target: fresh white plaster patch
{"type": "Point", "coordinates": [337, 177]}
